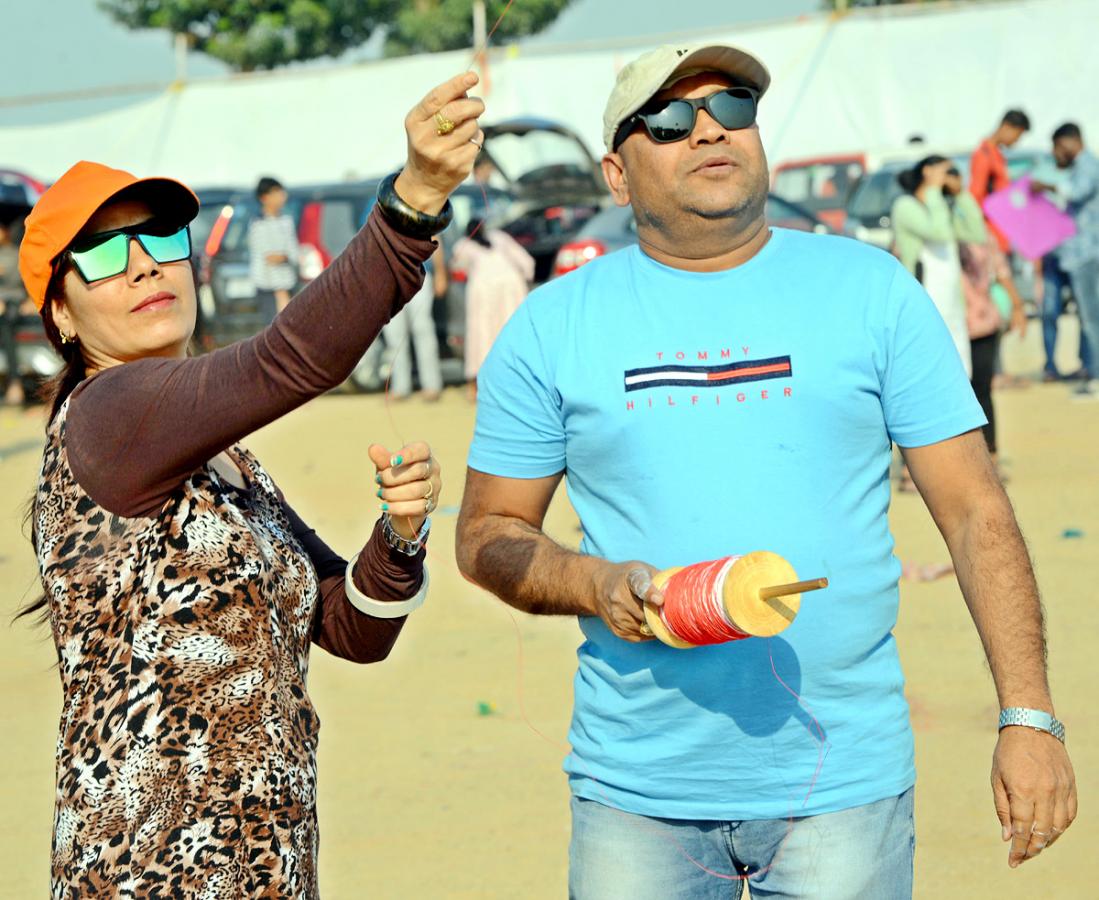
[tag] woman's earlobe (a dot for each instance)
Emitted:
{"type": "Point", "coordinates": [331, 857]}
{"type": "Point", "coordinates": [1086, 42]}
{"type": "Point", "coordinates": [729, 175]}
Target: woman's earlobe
{"type": "Point", "coordinates": [62, 321]}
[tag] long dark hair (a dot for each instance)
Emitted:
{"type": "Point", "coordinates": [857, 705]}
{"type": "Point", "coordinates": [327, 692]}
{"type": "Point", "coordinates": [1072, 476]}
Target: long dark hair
{"type": "Point", "coordinates": [911, 179]}
{"type": "Point", "coordinates": [475, 231]}
{"type": "Point", "coordinates": [53, 393]}
{"type": "Point", "coordinates": [56, 391]}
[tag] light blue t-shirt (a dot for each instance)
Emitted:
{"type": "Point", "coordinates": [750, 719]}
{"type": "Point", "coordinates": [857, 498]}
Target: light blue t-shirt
{"type": "Point", "coordinates": [698, 416]}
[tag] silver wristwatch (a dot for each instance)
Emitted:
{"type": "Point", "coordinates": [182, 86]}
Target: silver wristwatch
{"type": "Point", "coordinates": [400, 544]}
{"type": "Point", "coordinates": [1032, 718]}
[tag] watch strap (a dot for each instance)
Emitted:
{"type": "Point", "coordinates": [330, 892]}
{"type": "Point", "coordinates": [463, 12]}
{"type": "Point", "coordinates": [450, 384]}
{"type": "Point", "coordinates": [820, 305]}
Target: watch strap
{"type": "Point", "coordinates": [1032, 718]}
{"type": "Point", "coordinates": [401, 544]}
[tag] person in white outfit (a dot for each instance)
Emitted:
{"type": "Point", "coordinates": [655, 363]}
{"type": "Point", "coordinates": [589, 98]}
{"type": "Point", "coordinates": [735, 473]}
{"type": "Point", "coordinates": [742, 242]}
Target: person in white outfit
{"type": "Point", "coordinates": [417, 321]}
{"type": "Point", "coordinates": [926, 233]}
{"type": "Point", "coordinates": [498, 276]}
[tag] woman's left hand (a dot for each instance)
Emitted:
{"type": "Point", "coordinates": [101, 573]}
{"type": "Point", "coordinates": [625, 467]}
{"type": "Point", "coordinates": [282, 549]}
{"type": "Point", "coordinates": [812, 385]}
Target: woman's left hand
{"type": "Point", "coordinates": [409, 483]}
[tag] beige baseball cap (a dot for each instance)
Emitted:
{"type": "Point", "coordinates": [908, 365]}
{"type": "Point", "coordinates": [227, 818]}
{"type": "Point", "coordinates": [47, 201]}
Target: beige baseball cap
{"type": "Point", "coordinates": [660, 68]}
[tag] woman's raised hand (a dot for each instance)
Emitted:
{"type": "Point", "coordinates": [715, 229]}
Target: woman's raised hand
{"type": "Point", "coordinates": [409, 482]}
{"type": "Point", "coordinates": [443, 142]}
{"type": "Point", "coordinates": [934, 175]}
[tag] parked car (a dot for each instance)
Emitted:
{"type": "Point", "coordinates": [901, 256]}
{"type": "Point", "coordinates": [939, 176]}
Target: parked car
{"type": "Point", "coordinates": [615, 228]}
{"type": "Point", "coordinates": [216, 206]}
{"type": "Point", "coordinates": [820, 184]}
{"type": "Point", "coordinates": [35, 358]}
{"type": "Point", "coordinates": [18, 193]}
{"type": "Point", "coordinates": [212, 203]}
{"type": "Point", "coordinates": [555, 183]}
{"type": "Point", "coordinates": [326, 218]}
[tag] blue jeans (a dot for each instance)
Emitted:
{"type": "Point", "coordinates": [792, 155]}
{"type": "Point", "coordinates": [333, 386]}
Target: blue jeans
{"type": "Point", "coordinates": [863, 853]}
{"type": "Point", "coordinates": [1085, 287]}
{"type": "Point", "coordinates": [1056, 280]}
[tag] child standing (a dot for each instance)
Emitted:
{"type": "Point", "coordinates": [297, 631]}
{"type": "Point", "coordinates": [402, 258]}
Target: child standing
{"type": "Point", "coordinates": [273, 248]}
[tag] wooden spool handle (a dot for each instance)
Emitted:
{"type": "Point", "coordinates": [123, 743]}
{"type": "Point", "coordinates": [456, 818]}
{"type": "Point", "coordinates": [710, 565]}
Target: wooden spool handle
{"type": "Point", "coordinates": [798, 587]}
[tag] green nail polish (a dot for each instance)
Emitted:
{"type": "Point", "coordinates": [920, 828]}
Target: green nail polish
{"type": "Point", "coordinates": [385, 507]}
{"type": "Point", "coordinates": [379, 493]}
{"type": "Point", "coordinates": [397, 460]}
{"type": "Point", "coordinates": [378, 478]}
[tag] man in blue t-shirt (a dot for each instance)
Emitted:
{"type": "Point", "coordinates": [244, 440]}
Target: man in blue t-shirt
{"type": "Point", "coordinates": [722, 388]}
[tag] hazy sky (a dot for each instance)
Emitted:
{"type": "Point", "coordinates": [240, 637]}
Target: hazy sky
{"type": "Point", "coordinates": [604, 19]}
{"type": "Point", "coordinates": [68, 45]}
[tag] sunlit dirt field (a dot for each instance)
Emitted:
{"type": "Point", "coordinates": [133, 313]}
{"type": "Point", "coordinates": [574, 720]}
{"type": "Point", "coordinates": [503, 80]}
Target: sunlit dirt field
{"type": "Point", "coordinates": [431, 783]}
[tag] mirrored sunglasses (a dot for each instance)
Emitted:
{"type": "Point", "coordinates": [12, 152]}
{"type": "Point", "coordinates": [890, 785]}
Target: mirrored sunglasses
{"type": "Point", "coordinates": [673, 120]}
{"type": "Point", "coordinates": [107, 253]}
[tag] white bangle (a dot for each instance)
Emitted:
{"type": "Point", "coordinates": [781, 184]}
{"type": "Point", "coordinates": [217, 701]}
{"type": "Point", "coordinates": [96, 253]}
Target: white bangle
{"type": "Point", "coordinates": [380, 609]}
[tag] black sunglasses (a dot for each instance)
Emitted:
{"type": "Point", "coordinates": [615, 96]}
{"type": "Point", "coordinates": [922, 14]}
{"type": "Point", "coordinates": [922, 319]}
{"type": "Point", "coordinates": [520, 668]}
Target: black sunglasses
{"type": "Point", "coordinates": [107, 253]}
{"type": "Point", "coordinates": [668, 121]}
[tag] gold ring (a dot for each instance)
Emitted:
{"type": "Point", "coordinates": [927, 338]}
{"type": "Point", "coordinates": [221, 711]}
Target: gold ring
{"type": "Point", "coordinates": [645, 629]}
{"type": "Point", "coordinates": [430, 491]}
{"type": "Point", "coordinates": [443, 125]}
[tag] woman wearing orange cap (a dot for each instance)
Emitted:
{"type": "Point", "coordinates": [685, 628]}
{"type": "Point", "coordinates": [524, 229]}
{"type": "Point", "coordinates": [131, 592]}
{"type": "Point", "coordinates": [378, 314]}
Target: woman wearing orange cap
{"type": "Point", "coordinates": [182, 590]}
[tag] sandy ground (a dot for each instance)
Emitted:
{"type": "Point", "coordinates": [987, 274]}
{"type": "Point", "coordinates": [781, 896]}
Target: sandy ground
{"type": "Point", "coordinates": [432, 785]}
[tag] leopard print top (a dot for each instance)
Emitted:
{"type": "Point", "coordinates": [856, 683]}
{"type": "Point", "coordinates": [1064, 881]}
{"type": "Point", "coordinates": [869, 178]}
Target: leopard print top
{"type": "Point", "coordinates": [186, 759]}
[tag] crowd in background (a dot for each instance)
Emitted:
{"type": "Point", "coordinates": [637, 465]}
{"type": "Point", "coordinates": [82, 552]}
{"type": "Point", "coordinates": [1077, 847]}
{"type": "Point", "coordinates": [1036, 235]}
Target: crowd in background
{"type": "Point", "coordinates": [940, 233]}
{"type": "Point", "coordinates": [945, 238]}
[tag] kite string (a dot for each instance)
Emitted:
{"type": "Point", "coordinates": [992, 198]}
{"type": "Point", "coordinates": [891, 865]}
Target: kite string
{"type": "Point", "coordinates": [520, 682]}
{"type": "Point", "coordinates": [477, 52]}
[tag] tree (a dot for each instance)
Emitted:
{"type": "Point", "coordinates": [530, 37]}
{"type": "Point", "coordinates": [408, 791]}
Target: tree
{"type": "Point", "coordinates": [434, 25]}
{"type": "Point", "coordinates": [265, 34]}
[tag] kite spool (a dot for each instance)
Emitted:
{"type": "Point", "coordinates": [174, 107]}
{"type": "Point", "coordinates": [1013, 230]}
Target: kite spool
{"type": "Point", "coordinates": [756, 595]}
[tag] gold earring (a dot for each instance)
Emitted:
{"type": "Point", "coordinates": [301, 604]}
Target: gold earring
{"type": "Point", "coordinates": [67, 339]}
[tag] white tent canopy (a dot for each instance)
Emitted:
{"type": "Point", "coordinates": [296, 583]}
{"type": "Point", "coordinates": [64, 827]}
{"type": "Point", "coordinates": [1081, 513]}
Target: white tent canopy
{"type": "Point", "coordinates": [862, 81]}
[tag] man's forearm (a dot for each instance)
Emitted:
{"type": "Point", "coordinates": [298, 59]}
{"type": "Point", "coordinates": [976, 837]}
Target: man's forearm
{"type": "Point", "coordinates": [526, 569]}
{"type": "Point", "coordinates": [997, 581]}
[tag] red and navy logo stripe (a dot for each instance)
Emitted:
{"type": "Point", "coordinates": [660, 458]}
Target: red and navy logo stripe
{"type": "Point", "coordinates": [709, 376]}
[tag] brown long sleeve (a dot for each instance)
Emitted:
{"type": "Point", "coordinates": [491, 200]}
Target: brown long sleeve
{"type": "Point", "coordinates": [380, 572]}
{"type": "Point", "coordinates": [136, 431]}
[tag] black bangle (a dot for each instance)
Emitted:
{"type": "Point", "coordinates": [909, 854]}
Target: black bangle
{"type": "Point", "coordinates": [404, 218]}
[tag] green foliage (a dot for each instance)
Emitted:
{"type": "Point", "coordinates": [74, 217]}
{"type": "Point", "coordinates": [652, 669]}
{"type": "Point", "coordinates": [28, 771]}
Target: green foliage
{"type": "Point", "coordinates": [434, 25]}
{"type": "Point", "coordinates": [264, 34]}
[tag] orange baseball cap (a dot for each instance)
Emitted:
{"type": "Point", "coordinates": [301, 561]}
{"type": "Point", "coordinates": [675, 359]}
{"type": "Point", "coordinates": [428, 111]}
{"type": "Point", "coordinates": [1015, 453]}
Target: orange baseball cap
{"type": "Point", "coordinates": [70, 201]}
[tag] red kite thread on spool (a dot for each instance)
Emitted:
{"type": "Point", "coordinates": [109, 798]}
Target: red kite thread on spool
{"type": "Point", "coordinates": [729, 599]}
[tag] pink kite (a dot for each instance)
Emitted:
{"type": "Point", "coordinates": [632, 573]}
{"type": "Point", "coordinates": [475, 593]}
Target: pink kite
{"type": "Point", "coordinates": [1032, 224]}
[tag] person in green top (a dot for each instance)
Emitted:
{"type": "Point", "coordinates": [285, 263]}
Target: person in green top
{"type": "Point", "coordinates": [926, 234]}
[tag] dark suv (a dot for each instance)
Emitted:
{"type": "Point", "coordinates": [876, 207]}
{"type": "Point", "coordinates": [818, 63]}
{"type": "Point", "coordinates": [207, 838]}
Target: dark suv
{"type": "Point", "coordinates": [326, 218]}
